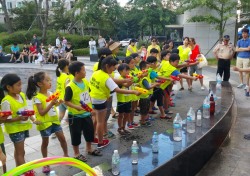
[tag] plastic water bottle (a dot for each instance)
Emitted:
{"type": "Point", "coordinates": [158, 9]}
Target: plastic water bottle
{"type": "Point", "coordinates": [218, 86]}
{"type": "Point", "coordinates": [134, 152]}
{"type": "Point", "coordinates": [198, 119]}
{"type": "Point", "coordinates": [247, 91]}
{"type": "Point", "coordinates": [52, 173]}
{"type": "Point", "coordinates": [155, 140]}
{"type": "Point", "coordinates": [190, 121]}
{"type": "Point", "coordinates": [177, 125]}
{"type": "Point", "coordinates": [116, 163]}
{"type": "Point", "coordinates": [206, 108]}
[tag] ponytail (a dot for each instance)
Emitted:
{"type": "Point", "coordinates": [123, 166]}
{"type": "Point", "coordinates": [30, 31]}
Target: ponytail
{"type": "Point", "coordinates": [32, 84]}
{"type": "Point", "coordinates": [58, 73]}
{"type": "Point", "coordinates": [62, 63]}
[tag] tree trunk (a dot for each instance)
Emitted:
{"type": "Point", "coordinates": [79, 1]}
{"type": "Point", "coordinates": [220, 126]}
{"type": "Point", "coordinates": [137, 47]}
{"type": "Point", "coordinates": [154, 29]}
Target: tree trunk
{"type": "Point", "coordinates": [45, 22]}
{"type": "Point", "coordinates": [7, 18]}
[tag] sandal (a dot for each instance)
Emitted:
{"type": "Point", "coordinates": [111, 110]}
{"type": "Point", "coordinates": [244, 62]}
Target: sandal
{"type": "Point", "coordinates": [126, 132]}
{"type": "Point", "coordinates": [109, 134]}
{"type": "Point", "coordinates": [81, 158]}
{"type": "Point", "coordinates": [95, 153]}
{"type": "Point", "coordinates": [166, 117]}
{"type": "Point", "coordinates": [121, 132]}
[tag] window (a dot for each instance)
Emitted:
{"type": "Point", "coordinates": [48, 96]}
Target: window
{"type": "Point", "coordinates": [1, 9]}
{"type": "Point", "coordinates": [19, 4]}
{"type": "Point", "coordinates": [55, 3]}
{"type": "Point", "coordinates": [72, 4]}
{"type": "Point", "coordinates": [9, 5]}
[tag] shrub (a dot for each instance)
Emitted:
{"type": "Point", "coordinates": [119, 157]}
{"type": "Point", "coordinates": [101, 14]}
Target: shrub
{"type": "Point", "coordinates": [7, 48]}
{"type": "Point", "coordinates": [81, 52]}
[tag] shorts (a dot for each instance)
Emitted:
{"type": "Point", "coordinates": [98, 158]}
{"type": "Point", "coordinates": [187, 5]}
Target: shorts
{"type": "Point", "coordinates": [144, 104]}
{"type": "Point", "coordinates": [157, 96]}
{"type": "Point", "coordinates": [184, 70]}
{"type": "Point", "coordinates": [77, 126]}
{"type": "Point", "coordinates": [50, 130]}
{"type": "Point", "coordinates": [100, 106]}
{"type": "Point", "coordinates": [242, 62]}
{"type": "Point", "coordinates": [62, 107]}
{"type": "Point", "coordinates": [123, 107]}
{"type": "Point", "coordinates": [3, 148]}
{"type": "Point", "coordinates": [194, 69]}
{"type": "Point", "coordinates": [19, 136]}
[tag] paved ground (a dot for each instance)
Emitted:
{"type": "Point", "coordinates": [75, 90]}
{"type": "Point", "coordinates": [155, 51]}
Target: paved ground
{"type": "Point", "coordinates": [231, 159]}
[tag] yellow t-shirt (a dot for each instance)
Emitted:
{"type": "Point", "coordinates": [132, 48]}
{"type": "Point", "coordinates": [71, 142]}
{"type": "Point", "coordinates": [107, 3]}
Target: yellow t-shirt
{"type": "Point", "coordinates": [183, 53]}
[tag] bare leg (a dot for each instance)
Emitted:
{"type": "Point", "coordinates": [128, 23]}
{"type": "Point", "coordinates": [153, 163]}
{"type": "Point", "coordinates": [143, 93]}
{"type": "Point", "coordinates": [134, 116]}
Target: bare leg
{"type": "Point", "coordinates": [60, 136]}
{"type": "Point", "coordinates": [44, 147]}
{"type": "Point", "coordinates": [19, 153]}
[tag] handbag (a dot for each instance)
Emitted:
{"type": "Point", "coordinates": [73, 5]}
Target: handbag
{"type": "Point", "coordinates": [202, 61]}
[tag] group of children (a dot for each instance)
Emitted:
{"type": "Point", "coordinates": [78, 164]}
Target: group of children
{"type": "Point", "coordinates": [136, 83]}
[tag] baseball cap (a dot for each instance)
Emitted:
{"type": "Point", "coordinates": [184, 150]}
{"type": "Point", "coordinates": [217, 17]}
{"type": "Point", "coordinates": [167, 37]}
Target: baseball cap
{"type": "Point", "coordinates": [226, 37]}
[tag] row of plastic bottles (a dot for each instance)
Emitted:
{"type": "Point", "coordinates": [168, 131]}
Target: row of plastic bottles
{"type": "Point", "coordinates": [134, 154]}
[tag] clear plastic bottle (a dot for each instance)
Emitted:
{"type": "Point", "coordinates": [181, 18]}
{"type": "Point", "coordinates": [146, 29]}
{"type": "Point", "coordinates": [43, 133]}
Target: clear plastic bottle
{"type": "Point", "coordinates": [198, 119]}
{"type": "Point", "coordinates": [206, 108]}
{"type": "Point", "coordinates": [134, 152]}
{"type": "Point", "coordinates": [177, 125]}
{"type": "Point", "coordinates": [52, 173]}
{"type": "Point", "coordinates": [190, 121]}
{"type": "Point", "coordinates": [115, 163]}
{"type": "Point", "coordinates": [155, 140]}
{"type": "Point", "coordinates": [218, 86]}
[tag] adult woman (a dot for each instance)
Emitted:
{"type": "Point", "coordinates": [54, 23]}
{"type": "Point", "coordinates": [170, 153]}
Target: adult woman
{"type": "Point", "coordinates": [131, 48]}
{"type": "Point", "coordinates": [64, 43]}
{"type": "Point", "coordinates": [114, 47]}
{"type": "Point", "coordinates": [184, 51]}
{"type": "Point", "coordinates": [154, 45]}
{"type": "Point", "coordinates": [195, 53]}
{"type": "Point", "coordinates": [169, 45]}
{"type": "Point", "coordinates": [68, 51]}
{"type": "Point", "coordinates": [92, 46]}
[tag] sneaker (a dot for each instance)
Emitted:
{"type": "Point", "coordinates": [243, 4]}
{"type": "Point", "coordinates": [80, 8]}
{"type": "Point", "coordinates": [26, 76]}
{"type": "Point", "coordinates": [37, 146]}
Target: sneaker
{"type": "Point", "coordinates": [181, 89]}
{"type": "Point", "coordinates": [245, 87]}
{"type": "Point", "coordinates": [131, 127]}
{"type": "Point", "coordinates": [104, 144]}
{"type": "Point", "coordinates": [135, 124]}
{"type": "Point", "coordinates": [146, 124]}
{"type": "Point", "coordinates": [152, 112]}
{"type": "Point", "coordinates": [151, 118]}
{"type": "Point", "coordinates": [95, 142]}
{"type": "Point", "coordinates": [46, 169]}
{"type": "Point", "coordinates": [154, 108]}
{"type": "Point", "coordinates": [240, 85]}
{"type": "Point", "coordinates": [202, 88]}
{"type": "Point", "coordinates": [29, 173]}
{"type": "Point", "coordinates": [166, 117]}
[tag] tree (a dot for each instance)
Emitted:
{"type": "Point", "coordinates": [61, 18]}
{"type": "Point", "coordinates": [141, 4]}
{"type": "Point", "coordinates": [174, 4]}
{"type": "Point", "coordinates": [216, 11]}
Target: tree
{"type": "Point", "coordinates": [24, 16]}
{"type": "Point", "coordinates": [219, 12]}
{"type": "Point", "coordinates": [6, 16]}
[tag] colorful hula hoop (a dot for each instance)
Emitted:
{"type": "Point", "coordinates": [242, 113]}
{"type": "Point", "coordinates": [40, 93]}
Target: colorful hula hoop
{"type": "Point", "coordinates": [51, 161]}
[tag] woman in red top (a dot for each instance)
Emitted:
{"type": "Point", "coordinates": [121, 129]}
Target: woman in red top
{"type": "Point", "coordinates": [32, 52]}
{"type": "Point", "coordinates": [194, 53]}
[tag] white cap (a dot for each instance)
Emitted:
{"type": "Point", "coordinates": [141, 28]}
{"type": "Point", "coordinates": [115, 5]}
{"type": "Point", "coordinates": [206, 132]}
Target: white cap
{"type": "Point", "coordinates": [115, 151]}
{"type": "Point", "coordinates": [134, 142]}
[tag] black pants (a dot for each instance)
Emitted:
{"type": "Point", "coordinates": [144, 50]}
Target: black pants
{"type": "Point", "coordinates": [224, 68]}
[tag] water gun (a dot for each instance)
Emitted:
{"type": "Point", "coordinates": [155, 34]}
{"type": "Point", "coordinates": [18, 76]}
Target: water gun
{"type": "Point", "coordinates": [135, 79]}
{"type": "Point", "coordinates": [141, 90]}
{"type": "Point", "coordinates": [160, 81]}
{"type": "Point", "coordinates": [26, 113]}
{"type": "Point", "coordinates": [5, 113]}
{"type": "Point", "coordinates": [53, 96]}
{"type": "Point", "coordinates": [176, 78]}
{"type": "Point", "coordinates": [147, 70]}
{"type": "Point", "coordinates": [86, 107]}
{"type": "Point", "coordinates": [198, 76]}
{"type": "Point", "coordinates": [139, 74]}
{"type": "Point", "coordinates": [194, 60]}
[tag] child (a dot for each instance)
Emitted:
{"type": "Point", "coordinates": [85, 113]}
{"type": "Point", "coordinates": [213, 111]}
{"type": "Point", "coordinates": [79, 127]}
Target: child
{"type": "Point", "coordinates": [158, 93]}
{"type": "Point", "coordinates": [40, 57]}
{"type": "Point", "coordinates": [56, 55]}
{"type": "Point", "coordinates": [79, 119]}
{"type": "Point", "coordinates": [16, 126]}
{"type": "Point", "coordinates": [143, 52]}
{"type": "Point", "coordinates": [101, 84]}
{"type": "Point", "coordinates": [134, 99]}
{"type": "Point", "coordinates": [123, 101]}
{"type": "Point", "coordinates": [169, 69]}
{"type": "Point", "coordinates": [144, 101]}
{"type": "Point", "coordinates": [46, 114]}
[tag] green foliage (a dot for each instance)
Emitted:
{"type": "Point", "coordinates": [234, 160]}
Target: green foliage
{"type": "Point", "coordinates": [81, 52]}
{"type": "Point", "coordinates": [3, 28]}
{"type": "Point", "coordinates": [7, 49]}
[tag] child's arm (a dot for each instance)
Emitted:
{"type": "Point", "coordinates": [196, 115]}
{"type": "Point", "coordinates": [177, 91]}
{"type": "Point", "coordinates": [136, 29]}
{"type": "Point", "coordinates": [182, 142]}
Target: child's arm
{"type": "Point", "coordinates": [241, 69]}
{"type": "Point", "coordinates": [68, 97]}
{"type": "Point", "coordinates": [148, 86]}
{"type": "Point", "coordinates": [123, 91]}
{"type": "Point", "coordinates": [42, 111]}
{"type": "Point", "coordinates": [187, 77]}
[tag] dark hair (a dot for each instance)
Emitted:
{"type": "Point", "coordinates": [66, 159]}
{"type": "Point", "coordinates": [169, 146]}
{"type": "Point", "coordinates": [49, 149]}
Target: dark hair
{"type": "Point", "coordinates": [75, 66]}
{"type": "Point", "coordinates": [103, 53]}
{"type": "Point", "coordinates": [143, 65]}
{"type": "Point", "coordinates": [8, 80]}
{"type": "Point", "coordinates": [128, 59]}
{"type": "Point", "coordinates": [164, 53]}
{"type": "Point", "coordinates": [32, 84]}
{"type": "Point", "coordinates": [245, 30]}
{"type": "Point", "coordinates": [62, 63]}
{"type": "Point", "coordinates": [174, 57]}
{"type": "Point", "coordinates": [193, 40]}
{"type": "Point", "coordinates": [110, 61]}
{"type": "Point", "coordinates": [151, 59]}
{"type": "Point", "coordinates": [134, 55]}
{"type": "Point", "coordinates": [175, 50]}
{"type": "Point", "coordinates": [154, 50]}
{"type": "Point", "coordinates": [153, 38]}
{"type": "Point", "coordinates": [165, 47]}
{"type": "Point", "coordinates": [122, 67]}
{"type": "Point", "coordinates": [169, 41]}
{"type": "Point", "coordinates": [132, 41]}
{"type": "Point", "coordinates": [184, 38]}
{"type": "Point", "coordinates": [143, 44]}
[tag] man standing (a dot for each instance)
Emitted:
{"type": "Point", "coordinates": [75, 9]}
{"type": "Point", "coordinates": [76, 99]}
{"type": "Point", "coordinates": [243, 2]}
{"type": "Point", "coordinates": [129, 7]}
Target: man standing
{"type": "Point", "coordinates": [224, 52]}
{"type": "Point", "coordinates": [243, 49]}
{"type": "Point", "coordinates": [101, 42]}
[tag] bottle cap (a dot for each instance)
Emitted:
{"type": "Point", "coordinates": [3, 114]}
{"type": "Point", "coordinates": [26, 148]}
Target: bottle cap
{"type": "Point", "coordinates": [134, 142]}
{"type": "Point", "coordinates": [115, 151]}
{"type": "Point", "coordinates": [52, 172]}
{"type": "Point", "coordinates": [155, 132]}
{"type": "Point", "coordinates": [199, 110]}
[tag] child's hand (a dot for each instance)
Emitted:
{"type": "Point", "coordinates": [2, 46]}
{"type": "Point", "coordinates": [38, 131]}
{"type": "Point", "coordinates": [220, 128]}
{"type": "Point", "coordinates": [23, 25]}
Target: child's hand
{"type": "Point", "coordinates": [128, 81]}
{"type": "Point", "coordinates": [195, 78]}
{"type": "Point", "coordinates": [137, 93]}
{"type": "Point", "coordinates": [79, 108]}
{"type": "Point", "coordinates": [236, 69]}
{"type": "Point", "coordinates": [93, 113]}
{"type": "Point", "coordinates": [54, 101]}
{"type": "Point", "coordinates": [157, 84]}
{"type": "Point", "coordinates": [37, 122]}
{"type": "Point", "coordinates": [24, 118]}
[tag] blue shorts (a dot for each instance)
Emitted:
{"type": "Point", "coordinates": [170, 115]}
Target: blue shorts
{"type": "Point", "coordinates": [50, 130]}
{"type": "Point", "coordinates": [19, 137]}
{"type": "Point", "coordinates": [62, 107]}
